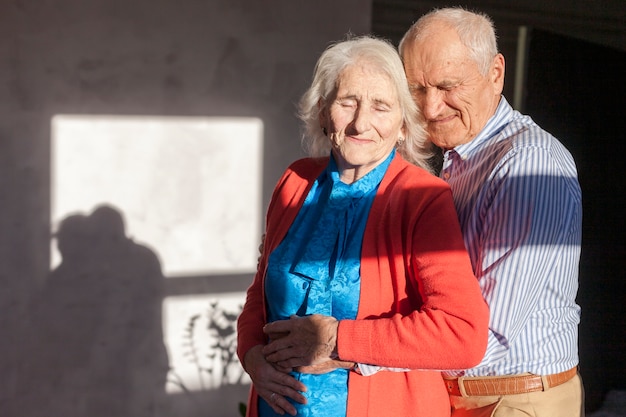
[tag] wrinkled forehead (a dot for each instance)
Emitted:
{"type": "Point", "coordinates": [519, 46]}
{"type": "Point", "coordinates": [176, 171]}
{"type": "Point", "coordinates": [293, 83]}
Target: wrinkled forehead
{"type": "Point", "coordinates": [365, 75]}
{"type": "Point", "coordinates": [435, 53]}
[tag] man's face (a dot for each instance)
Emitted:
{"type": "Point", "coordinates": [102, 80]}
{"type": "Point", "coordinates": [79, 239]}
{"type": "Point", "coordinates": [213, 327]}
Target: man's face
{"type": "Point", "coordinates": [455, 99]}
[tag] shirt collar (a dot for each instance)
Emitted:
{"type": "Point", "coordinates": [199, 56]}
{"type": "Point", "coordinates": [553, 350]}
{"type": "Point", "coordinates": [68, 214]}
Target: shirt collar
{"type": "Point", "coordinates": [502, 116]}
{"type": "Point", "coordinates": [363, 185]}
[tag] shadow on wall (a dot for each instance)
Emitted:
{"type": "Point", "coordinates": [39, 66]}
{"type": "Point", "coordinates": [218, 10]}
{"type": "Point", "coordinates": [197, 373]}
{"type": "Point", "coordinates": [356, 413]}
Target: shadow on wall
{"type": "Point", "coordinates": [95, 340]}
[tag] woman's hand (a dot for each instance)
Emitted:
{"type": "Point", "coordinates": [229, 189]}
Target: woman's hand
{"type": "Point", "coordinates": [301, 341]}
{"type": "Point", "coordinates": [273, 384]}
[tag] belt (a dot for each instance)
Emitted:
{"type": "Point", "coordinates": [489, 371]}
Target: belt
{"type": "Point", "coordinates": [506, 385]}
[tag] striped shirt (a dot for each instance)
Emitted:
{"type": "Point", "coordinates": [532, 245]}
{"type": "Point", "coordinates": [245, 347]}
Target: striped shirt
{"type": "Point", "coordinates": [518, 199]}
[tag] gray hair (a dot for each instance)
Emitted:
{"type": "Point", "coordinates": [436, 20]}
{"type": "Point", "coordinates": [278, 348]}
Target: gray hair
{"type": "Point", "coordinates": [476, 31]}
{"type": "Point", "coordinates": [332, 62]}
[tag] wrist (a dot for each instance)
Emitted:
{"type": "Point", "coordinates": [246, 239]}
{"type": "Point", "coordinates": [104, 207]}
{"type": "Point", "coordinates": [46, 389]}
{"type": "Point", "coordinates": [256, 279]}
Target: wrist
{"type": "Point", "coordinates": [334, 353]}
{"type": "Point", "coordinates": [249, 359]}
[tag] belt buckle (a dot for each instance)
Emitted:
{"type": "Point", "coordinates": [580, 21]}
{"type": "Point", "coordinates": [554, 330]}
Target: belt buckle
{"type": "Point", "coordinates": [460, 383]}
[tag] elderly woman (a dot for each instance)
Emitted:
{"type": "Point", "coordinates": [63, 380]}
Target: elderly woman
{"type": "Point", "coordinates": [364, 289]}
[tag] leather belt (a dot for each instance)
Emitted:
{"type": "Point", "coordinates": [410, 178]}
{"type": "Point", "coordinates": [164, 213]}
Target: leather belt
{"type": "Point", "coordinates": [506, 385]}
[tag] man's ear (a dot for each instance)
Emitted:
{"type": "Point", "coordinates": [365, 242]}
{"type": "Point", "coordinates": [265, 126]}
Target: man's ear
{"type": "Point", "coordinates": [497, 73]}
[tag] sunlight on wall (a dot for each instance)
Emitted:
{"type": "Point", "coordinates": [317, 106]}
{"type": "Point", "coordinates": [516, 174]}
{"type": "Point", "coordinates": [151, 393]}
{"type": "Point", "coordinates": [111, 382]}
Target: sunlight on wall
{"type": "Point", "coordinates": [187, 187]}
{"type": "Point", "coordinates": [202, 350]}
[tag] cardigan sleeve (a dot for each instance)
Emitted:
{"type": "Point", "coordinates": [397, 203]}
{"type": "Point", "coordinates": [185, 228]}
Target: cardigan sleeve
{"type": "Point", "coordinates": [287, 198]}
{"type": "Point", "coordinates": [421, 306]}
{"type": "Point", "coordinates": [252, 318]}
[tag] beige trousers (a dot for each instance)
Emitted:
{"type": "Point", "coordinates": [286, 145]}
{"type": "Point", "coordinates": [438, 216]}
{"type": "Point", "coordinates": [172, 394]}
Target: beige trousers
{"type": "Point", "coordinates": [565, 400]}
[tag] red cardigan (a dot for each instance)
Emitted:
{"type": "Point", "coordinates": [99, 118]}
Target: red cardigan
{"type": "Point", "coordinates": [420, 305]}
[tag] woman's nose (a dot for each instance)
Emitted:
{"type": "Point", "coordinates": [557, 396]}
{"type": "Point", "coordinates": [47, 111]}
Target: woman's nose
{"type": "Point", "coordinates": [361, 120]}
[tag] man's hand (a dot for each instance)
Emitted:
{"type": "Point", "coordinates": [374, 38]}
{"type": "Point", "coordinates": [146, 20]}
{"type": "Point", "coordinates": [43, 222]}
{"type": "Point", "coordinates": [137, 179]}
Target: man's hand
{"type": "Point", "coordinates": [301, 341]}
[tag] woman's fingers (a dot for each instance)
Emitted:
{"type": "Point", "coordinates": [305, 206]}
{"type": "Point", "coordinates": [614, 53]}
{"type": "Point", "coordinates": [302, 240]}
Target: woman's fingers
{"type": "Point", "coordinates": [275, 385]}
{"type": "Point", "coordinates": [282, 389]}
{"type": "Point", "coordinates": [279, 402]}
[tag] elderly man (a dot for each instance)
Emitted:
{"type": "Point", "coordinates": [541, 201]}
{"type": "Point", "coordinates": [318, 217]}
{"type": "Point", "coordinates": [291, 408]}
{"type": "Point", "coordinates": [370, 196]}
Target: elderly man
{"type": "Point", "coordinates": [518, 200]}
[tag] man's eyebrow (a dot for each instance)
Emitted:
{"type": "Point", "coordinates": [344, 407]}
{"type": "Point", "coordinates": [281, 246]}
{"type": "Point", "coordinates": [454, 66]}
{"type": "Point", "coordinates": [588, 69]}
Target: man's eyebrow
{"type": "Point", "coordinates": [440, 84]}
{"type": "Point", "coordinates": [447, 83]}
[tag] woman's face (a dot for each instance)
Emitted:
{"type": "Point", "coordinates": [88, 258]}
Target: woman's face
{"type": "Point", "coordinates": [364, 120]}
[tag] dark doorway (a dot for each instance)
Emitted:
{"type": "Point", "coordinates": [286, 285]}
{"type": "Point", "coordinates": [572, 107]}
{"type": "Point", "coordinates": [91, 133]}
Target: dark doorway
{"type": "Point", "coordinates": [576, 91]}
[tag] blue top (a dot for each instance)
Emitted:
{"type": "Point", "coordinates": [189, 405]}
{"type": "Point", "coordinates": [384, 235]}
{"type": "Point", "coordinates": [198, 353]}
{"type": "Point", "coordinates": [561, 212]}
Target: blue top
{"type": "Point", "coordinates": [516, 192]}
{"type": "Point", "coordinates": [315, 270]}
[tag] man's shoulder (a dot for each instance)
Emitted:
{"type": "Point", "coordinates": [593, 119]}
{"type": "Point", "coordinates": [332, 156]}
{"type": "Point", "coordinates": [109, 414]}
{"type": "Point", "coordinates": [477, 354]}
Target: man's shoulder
{"type": "Point", "coordinates": [515, 129]}
{"type": "Point", "coordinates": [523, 131]}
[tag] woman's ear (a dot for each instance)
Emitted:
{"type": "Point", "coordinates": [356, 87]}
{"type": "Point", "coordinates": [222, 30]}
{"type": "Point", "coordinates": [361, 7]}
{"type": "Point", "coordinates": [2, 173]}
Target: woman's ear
{"type": "Point", "coordinates": [403, 132]}
{"type": "Point", "coordinates": [322, 116]}
{"type": "Point", "coordinates": [321, 111]}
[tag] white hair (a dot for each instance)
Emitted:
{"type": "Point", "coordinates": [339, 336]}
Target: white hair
{"type": "Point", "coordinates": [332, 62]}
{"type": "Point", "coordinates": [476, 31]}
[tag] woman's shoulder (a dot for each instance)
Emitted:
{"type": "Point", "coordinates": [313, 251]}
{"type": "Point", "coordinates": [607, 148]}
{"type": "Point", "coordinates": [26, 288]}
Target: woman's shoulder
{"type": "Point", "coordinates": [300, 173]}
{"type": "Point", "coordinates": [309, 163]}
{"type": "Point", "coordinates": [307, 167]}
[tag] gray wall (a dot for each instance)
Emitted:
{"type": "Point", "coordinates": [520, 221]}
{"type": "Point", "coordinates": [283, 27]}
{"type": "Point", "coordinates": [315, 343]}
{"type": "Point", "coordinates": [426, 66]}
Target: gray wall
{"type": "Point", "coordinates": [137, 57]}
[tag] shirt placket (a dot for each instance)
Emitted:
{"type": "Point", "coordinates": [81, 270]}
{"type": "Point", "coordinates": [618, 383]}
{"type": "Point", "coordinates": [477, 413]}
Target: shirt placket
{"type": "Point", "coordinates": [450, 158]}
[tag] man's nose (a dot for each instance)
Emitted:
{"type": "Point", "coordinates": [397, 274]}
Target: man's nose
{"type": "Point", "coordinates": [431, 103]}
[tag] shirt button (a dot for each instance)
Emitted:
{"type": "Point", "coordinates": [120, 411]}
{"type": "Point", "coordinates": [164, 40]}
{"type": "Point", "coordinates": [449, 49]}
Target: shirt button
{"type": "Point", "coordinates": [446, 175]}
{"type": "Point", "coordinates": [305, 285]}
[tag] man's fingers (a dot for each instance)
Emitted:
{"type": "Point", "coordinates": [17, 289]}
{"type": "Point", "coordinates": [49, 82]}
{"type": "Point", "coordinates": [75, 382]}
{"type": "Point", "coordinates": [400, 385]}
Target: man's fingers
{"type": "Point", "coordinates": [276, 336]}
{"type": "Point", "coordinates": [285, 348]}
{"type": "Point", "coordinates": [280, 326]}
{"type": "Point", "coordinates": [275, 346]}
{"type": "Point", "coordinates": [289, 358]}
{"type": "Point", "coordinates": [275, 356]}
{"type": "Point", "coordinates": [286, 359]}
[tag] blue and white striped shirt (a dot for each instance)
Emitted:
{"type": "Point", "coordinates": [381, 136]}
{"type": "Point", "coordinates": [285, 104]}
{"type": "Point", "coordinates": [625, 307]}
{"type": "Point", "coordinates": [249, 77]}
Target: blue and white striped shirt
{"type": "Point", "coordinates": [518, 199]}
